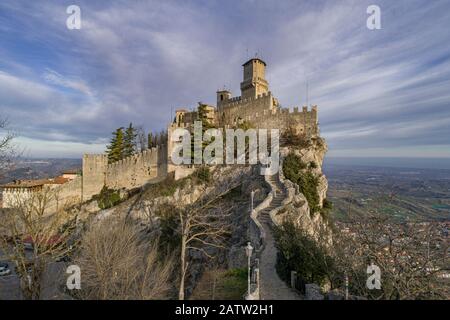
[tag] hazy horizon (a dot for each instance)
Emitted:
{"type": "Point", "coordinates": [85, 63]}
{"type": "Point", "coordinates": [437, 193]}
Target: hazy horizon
{"type": "Point", "coordinates": [400, 162]}
{"type": "Point", "coordinates": [394, 162]}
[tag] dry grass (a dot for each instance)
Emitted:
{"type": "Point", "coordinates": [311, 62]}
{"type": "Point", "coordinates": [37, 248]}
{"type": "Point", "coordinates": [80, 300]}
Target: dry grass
{"type": "Point", "coordinates": [117, 264]}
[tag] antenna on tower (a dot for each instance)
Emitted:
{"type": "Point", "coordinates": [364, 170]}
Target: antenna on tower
{"type": "Point", "coordinates": [307, 92]}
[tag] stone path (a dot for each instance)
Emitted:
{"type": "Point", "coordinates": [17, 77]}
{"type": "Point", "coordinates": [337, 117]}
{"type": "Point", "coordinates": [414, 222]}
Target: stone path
{"type": "Point", "coordinates": [272, 287]}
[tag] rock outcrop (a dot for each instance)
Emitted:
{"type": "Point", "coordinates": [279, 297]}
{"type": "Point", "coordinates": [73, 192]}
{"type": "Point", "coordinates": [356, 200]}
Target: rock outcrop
{"type": "Point", "coordinates": [296, 207]}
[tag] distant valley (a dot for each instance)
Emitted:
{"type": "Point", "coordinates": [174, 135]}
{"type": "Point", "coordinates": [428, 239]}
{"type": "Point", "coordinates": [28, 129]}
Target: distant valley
{"type": "Point", "coordinates": [38, 168]}
{"type": "Point", "coordinates": [403, 193]}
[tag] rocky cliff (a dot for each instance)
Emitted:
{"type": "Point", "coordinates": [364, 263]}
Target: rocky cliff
{"type": "Point", "coordinates": [296, 206]}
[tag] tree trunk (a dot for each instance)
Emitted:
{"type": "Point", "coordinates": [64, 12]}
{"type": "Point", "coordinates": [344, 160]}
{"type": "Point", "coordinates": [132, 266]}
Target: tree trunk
{"type": "Point", "coordinates": [183, 268]}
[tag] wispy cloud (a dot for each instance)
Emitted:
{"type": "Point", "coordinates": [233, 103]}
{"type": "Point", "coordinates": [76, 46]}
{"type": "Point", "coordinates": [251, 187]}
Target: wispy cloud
{"type": "Point", "coordinates": [55, 78]}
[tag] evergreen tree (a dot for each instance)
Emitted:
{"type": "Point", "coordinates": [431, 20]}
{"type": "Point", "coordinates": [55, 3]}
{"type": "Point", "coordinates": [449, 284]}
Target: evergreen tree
{"type": "Point", "coordinates": [203, 117]}
{"type": "Point", "coordinates": [162, 137]}
{"type": "Point", "coordinates": [129, 147]}
{"type": "Point", "coordinates": [116, 147]}
{"type": "Point", "coordinates": [150, 140]}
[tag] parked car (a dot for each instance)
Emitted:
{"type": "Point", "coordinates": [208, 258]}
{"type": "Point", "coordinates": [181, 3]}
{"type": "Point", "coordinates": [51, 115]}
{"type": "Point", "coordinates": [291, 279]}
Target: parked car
{"type": "Point", "coordinates": [4, 272]}
{"type": "Point", "coordinates": [4, 269]}
{"type": "Point", "coordinates": [64, 258]}
{"type": "Point", "coordinates": [29, 242]}
{"type": "Point", "coordinates": [28, 245]}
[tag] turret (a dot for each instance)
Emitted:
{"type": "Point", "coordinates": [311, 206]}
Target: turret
{"type": "Point", "coordinates": [254, 82]}
{"type": "Point", "coordinates": [222, 97]}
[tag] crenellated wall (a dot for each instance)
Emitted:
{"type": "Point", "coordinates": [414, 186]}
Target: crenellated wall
{"type": "Point", "coordinates": [94, 174]}
{"type": "Point", "coordinates": [129, 173]}
{"type": "Point", "coordinates": [231, 110]}
{"type": "Point", "coordinates": [136, 170]}
{"type": "Point", "coordinates": [304, 122]}
{"type": "Point", "coordinates": [69, 193]}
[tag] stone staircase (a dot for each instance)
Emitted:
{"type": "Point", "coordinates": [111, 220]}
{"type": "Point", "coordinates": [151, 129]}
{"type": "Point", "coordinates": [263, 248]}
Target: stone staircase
{"type": "Point", "coordinates": [280, 195]}
{"type": "Point", "coordinates": [272, 287]}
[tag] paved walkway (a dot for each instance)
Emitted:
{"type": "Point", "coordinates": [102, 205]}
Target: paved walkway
{"type": "Point", "coordinates": [272, 287]}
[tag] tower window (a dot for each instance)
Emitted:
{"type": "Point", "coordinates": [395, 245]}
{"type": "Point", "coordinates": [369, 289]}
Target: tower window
{"type": "Point", "coordinates": [221, 97]}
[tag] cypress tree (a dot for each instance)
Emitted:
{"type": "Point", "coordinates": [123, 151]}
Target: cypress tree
{"type": "Point", "coordinates": [129, 141]}
{"type": "Point", "coordinates": [150, 140]}
{"type": "Point", "coordinates": [116, 147]}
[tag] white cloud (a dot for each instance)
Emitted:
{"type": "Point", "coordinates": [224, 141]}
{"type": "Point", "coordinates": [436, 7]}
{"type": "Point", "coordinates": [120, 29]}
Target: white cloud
{"type": "Point", "coordinates": [55, 78]}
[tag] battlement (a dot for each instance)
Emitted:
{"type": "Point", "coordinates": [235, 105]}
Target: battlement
{"type": "Point", "coordinates": [131, 160]}
{"type": "Point", "coordinates": [131, 172]}
{"type": "Point", "coordinates": [136, 170]}
{"type": "Point", "coordinates": [236, 101]}
{"type": "Point", "coordinates": [99, 157]}
{"type": "Point", "coordinates": [284, 112]}
{"type": "Point", "coordinates": [180, 125]}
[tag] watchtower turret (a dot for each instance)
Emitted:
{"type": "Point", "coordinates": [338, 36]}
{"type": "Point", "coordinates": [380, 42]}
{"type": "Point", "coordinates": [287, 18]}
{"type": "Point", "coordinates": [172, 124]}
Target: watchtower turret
{"type": "Point", "coordinates": [255, 82]}
{"type": "Point", "coordinates": [222, 97]}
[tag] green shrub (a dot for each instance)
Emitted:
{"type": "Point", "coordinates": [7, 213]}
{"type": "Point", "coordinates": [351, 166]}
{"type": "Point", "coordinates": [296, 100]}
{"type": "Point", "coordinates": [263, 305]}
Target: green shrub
{"type": "Point", "coordinates": [292, 166]}
{"type": "Point", "coordinates": [308, 183]}
{"type": "Point", "coordinates": [313, 165]}
{"type": "Point", "coordinates": [169, 239]}
{"type": "Point", "coordinates": [327, 207]}
{"type": "Point", "coordinates": [203, 174]}
{"type": "Point", "coordinates": [166, 187]}
{"type": "Point", "coordinates": [299, 252]}
{"type": "Point", "coordinates": [107, 198]}
{"type": "Point", "coordinates": [298, 140]}
{"type": "Point", "coordinates": [293, 169]}
{"type": "Point", "coordinates": [245, 125]}
{"type": "Point", "coordinates": [238, 273]}
{"type": "Point", "coordinates": [233, 285]}
{"type": "Point", "coordinates": [327, 204]}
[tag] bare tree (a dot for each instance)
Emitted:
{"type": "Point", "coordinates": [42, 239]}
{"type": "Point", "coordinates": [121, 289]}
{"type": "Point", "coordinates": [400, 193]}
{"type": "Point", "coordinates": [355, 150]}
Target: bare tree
{"type": "Point", "coordinates": [7, 149]}
{"type": "Point", "coordinates": [33, 235]}
{"type": "Point", "coordinates": [202, 225]}
{"type": "Point", "coordinates": [141, 139]}
{"type": "Point", "coordinates": [410, 256]}
{"type": "Point", "coordinates": [118, 262]}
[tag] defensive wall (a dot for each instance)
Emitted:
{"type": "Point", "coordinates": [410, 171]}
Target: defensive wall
{"type": "Point", "coordinates": [131, 172]}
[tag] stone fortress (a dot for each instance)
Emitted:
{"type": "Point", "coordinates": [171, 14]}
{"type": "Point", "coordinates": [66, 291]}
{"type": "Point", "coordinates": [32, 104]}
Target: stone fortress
{"type": "Point", "coordinates": [256, 105]}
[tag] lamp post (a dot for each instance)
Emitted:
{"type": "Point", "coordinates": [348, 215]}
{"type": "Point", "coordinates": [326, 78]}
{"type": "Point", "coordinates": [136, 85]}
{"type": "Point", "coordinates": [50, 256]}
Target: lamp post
{"type": "Point", "coordinates": [253, 196]}
{"type": "Point", "coordinates": [346, 286]}
{"type": "Point", "coordinates": [248, 251]}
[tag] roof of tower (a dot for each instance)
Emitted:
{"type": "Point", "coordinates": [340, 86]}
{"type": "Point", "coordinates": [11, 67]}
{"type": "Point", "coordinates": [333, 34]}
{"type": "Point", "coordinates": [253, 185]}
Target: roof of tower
{"type": "Point", "coordinates": [252, 59]}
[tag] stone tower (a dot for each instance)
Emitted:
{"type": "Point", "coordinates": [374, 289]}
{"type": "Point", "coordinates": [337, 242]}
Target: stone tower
{"type": "Point", "coordinates": [223, 97]}
{"type": "Point", "coordinates": [255, 82]}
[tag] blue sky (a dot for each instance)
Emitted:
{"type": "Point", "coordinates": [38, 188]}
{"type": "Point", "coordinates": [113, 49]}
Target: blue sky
{"type": "Point", "coordinates": [381, 93]}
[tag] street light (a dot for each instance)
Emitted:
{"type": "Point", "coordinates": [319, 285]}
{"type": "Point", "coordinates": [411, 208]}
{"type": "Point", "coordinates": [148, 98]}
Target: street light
{"type": "Point", "coordinates": [346, 286]}
{"type": "Point", "coordinates": [253, 195]}
{"type": "Point", "coordinates": [248, 251]}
